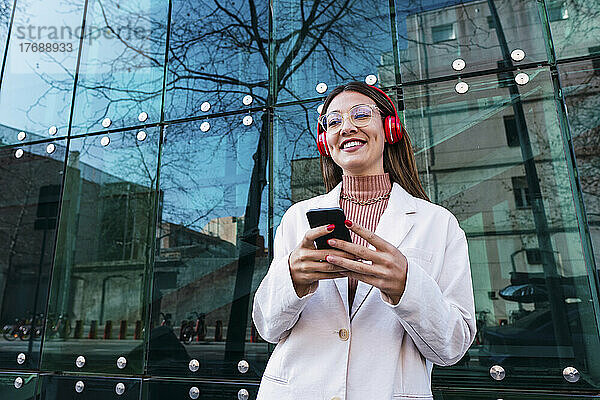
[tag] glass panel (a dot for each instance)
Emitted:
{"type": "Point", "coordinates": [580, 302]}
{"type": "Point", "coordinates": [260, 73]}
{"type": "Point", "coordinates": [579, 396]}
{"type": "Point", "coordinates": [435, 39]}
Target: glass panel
{"type": "Point", "coordinates": [218, 54]}
{"type": "Point", "coordinates": [575, 26]}
{"type": "Point", "coordinates": [159, 390]}
{"type": "Point", "coordinates": [296, 158]}
{"type": "Point", "coordinates": [579, 83]}
{"type": "Point", "coordinates": [433, 35]}
{"type": "Point", "coordinates": [53, 387]}
{"type": "Point", "coordinates": [480, 394]}
{"type": "Point", "coordinates": [211, 249]}
{"type": "Point", "coordinates": [18, 386]}
{"type": "Point", "coordinates": [97, 295]}
{"type": "Point", "coordinates": [6, 7]}
{"type": "Point", "coordinates": [30, 179]}
{"type": "Point", "coordinates": [38, 76]}
{"type": "Point", "coordinates": [122, 64]}
{"type": "Point", "coordinates": [330, 42]}
{"type": "Point", "coordinates": [512, 197]}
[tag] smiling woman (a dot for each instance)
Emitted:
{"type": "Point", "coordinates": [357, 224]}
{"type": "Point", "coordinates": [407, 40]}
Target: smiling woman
{"type": "Point", "coordinates": [403, 282]}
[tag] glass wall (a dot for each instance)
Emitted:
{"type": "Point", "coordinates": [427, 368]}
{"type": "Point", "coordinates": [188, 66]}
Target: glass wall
{"type": "Point", "coordinates": [148, 150]}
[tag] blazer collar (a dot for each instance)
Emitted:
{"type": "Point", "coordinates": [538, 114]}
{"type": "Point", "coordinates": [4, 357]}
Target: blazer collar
{"type": "Point", "coordinates": [395, 223]}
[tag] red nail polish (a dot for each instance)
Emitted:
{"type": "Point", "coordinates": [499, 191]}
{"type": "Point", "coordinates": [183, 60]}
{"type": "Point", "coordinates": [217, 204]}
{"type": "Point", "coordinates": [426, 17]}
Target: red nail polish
{"type": "Point", "coordinates": [330, 227]}
{"type": "Point", "coordinates": [348, 223]}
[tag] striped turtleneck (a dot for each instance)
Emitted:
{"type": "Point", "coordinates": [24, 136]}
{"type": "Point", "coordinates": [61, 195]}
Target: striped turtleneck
{"type": "Point", "coordinates": [363, 188]}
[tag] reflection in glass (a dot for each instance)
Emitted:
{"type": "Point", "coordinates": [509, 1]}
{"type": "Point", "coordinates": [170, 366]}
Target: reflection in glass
{"type": "Point", "coordinates": [97, 296]}
{"type": "Point", "coordinates": [28, 213]}
{"type": "Point", "coordinates": [298, 172]}
{"type": "Point", "coordinates": [211, 249]}
{"type": "Point", "coordinates": [54, 387]}
{"type": "Point", "coordinates": [18, 386]}
{"type": "Point", "coordinates": [432, 34]}
{"type": "Point", "coordinates": [40, 67]}
{"type": "Point", "coordinates": [579, 84]}
{"type": "Point", "coordinates": [218, 53]}
{"type": "Point", "coordinates": [6, 7]}
{"type": "Point", "coordinates": [122, 64]}
{"type": "Point", "coordinates": [162, 389]}
{"type": "Point", "coordinates": [575, 26]}
{"type": "Point", "coordinates": [494, 156]}
{"type": "Point", "coordinates": [332, 43]}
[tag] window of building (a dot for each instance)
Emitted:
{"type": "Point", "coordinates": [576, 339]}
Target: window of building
{"type": "Point", "coordinates": [510, 127]}
{"type": "Point", "coordinates": [504, 78]}
{"type": "Point", "coordinates": [534, 256]}
{"type": "Point", "coordinates": [521, 192]}
{"type": "Point", "coordinates": [443, 33]}
{"type": "Point", "coordinates": [557, 10]}
{"type": "Point", "coordinates": [595, 50]}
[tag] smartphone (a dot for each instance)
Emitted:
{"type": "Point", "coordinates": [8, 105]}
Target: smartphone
{"type": "Point", "coordinates": [325, 216]}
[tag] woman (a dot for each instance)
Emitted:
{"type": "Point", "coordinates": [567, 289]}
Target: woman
{"type": "Point", "coordinates": [367, 319]}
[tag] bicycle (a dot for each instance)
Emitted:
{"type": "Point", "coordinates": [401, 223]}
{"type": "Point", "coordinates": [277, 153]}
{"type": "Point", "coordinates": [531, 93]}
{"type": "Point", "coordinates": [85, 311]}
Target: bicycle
{"type": "Point", "coordinates": [166, 319]}
{"type": "Point", "coordinates": [12, 332]}
{"type": "Point", "coordinates": [191, 330]}
{"type": "Point", "coordinates": [62, 327]}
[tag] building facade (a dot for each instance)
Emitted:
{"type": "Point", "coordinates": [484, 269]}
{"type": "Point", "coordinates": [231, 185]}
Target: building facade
{"type": "Point", "coordinates": [149, 148]}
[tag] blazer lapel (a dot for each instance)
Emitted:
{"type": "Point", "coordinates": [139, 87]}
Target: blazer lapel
{"type": "Point", "coordinates": [395, 223]}
{"type": "Point", "coordinates": [398, 218]}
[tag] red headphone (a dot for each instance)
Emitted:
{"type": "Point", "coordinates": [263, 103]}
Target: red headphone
{"type": "Point", "coordinates": [392, 128]}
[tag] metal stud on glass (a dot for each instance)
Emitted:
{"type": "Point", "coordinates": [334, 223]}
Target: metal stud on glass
{"type": "Point", "coordinates": [243, 394]}
{"type": "Point", "coordinates": [461, 87]}
{"type": "Point", "coordinates": [247, 120]}
{"type": "Point", "coordinates": [371, 79]}
{"type": "Point", "coordinates": [243, 366]}
{"type": "Point", "coordinates": [121, 362]}
{"type": "Point", "coordinates": [52, 130]}
{"type": "Point", "coordinates": [321, 88]}
{"type": "Point", "coordinates": [50, 148]}
{"type": "Point", "coordinates": [120, 388]}
{"type": "Point", "coordinates": [571, 374]}
{"type": "Point", "coordinates": [21, 357]}
{"type": "Point", "coordinates": [194, 365]}
{"type": "Point", "coordinates": [497, 372]}
{"type": "Point", "coordinates": [18, 382]}
{"type": "Point", "coordinates": [194, 392]}
{"type": "Point", "coordinates": [205, 126]}
{"type": "Point", "coordinates": [143, 116]}
{"type": "Point", "coordinates": [105, 141]}
{"type": "Point", "coordinates": [80, 361]}
{"type": "Point", "coordinates": [522, 78]}
{"type": "Point", "coordinates": [19, 154]}
{"type": "Point", "coordinates": [247, 100]}
{"type": "Point", "coordinates": [205, 106]}
{"type": "Point", "coordinates": [79, 386]}
{"type": "Point", "coordinates": [517, 54]}
{"type": "Point", "coordinates": [459, 64]}
{"type": "Point", "coordinates": [21, 135]}
{"type": "Point", "coordinates": [141, 136]}
{"type": "Point", "coordinates": [106, 122]}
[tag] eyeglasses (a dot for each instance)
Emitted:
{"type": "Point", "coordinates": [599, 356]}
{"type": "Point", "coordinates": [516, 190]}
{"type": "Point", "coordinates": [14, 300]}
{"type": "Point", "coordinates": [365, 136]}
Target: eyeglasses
{"type": "Point", "coordinates": [360, 116]}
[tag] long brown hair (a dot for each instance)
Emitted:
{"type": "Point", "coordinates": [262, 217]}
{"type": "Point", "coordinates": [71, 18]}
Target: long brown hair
{"type": "Point", "coordinates": [398, 158]}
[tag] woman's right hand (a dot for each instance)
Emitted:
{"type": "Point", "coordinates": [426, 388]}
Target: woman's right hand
{"type": "Point", "coordinates": [307, 264]}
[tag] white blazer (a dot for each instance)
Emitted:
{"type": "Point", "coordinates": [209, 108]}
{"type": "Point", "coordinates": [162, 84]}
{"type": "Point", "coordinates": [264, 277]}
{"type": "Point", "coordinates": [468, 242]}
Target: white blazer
{"type": "Point", "coordinates": [383, 351]}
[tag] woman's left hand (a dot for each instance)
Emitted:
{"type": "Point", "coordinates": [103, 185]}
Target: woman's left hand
{"type": "Point", "coordinates": [388, 267]}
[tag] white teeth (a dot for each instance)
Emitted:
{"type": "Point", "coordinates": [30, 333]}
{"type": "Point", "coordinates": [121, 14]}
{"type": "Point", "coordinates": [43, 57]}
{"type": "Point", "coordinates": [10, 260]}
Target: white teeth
{"type": "Point", "coordinates": [351, 144]}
